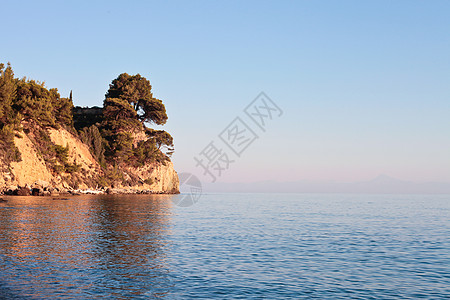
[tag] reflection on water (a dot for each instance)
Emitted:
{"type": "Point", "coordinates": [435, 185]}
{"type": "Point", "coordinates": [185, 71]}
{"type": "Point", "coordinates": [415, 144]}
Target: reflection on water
{"type": "Point", "coordinates": [229, 246]}
{"type": "Point", "coordinates": [105, 246]}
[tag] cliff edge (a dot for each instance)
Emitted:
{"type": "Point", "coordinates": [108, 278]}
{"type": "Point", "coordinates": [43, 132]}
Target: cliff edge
{"type": "Point", "coordinates": [34, 174]}
{"type": "Point", "coordinates": [48, 146]}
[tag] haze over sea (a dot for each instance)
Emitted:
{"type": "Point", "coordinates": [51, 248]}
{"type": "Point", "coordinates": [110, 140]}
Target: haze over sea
{"type": "Point", "coordinates": [363, 85]}
{"type": "Point", "coordinates": [226, 246]}
{"type": "Point", "coordinates": [364, 90]}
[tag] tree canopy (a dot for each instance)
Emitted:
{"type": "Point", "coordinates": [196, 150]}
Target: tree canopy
{"type": "Point", "coordinates": [7, 94]}
{"type": "Point", "coordinates": [29, 101]}
{"type": "Point", "coordinates": [128, 106]}
{"type": "Point", "coordinates": [117, 134]}
{"type": "Point", "coordinates": [137, 91]}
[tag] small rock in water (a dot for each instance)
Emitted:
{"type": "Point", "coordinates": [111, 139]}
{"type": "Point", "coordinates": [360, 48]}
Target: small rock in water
{"type": "Point", "coordinates": [35, 192]}
{"type": "Point", "coordinates": [22, 191]}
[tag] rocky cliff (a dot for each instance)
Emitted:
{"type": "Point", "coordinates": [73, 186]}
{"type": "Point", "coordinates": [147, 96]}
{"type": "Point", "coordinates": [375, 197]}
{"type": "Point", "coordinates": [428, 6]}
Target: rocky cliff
{"type": "Point", "coordinates": [47, 144]}
{"type": "Point", "coordinates": [32, 172]}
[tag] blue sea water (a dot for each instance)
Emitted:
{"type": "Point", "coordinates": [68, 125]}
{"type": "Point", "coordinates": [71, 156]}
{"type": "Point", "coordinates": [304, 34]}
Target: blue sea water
{"type": "Point", "coordinates": [226, 246]}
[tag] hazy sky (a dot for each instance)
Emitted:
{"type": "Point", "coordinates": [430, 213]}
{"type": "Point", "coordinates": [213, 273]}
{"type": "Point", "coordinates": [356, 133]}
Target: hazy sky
{"type": "Point", "coordinates": [364, 85]}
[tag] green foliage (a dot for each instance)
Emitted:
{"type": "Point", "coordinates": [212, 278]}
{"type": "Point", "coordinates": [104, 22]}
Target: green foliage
{"type": "Point", "coordinates": [149, 181]}
{"type": "Point", "coordinates": [109, 132]}
{"type": "Point", "coordinates": [61, 153]}
{"type": "Point", "coordinates": [145, 152]}
{"type": "Point", "coordinates": [137, 92]}
{"type": "Point", "coordinates": [91, 136]}
{"type": "Point", "coordinates": [120, 146]}
{"type": "Point", "coordinates": [30, 101]}
{"type": "Point", "coordinates": [118, 109]}
{"type": "Point", "coordinates": [62, 164]}
{"type": "Point", "coordinates": [153, 111]}
{"type": "Point", "coordinates": [112, 174]}
{"type": "Point", "coordinates": [128, 105]}
{"type": "Point", "coordinates": [62, 108]}
{"type": "Point", "coordinates": [8, 150]}
{"type": "Point", "coordinates": [55, 156]}
{"type": "Point", "coordinates": [7, 95]}
{"type": "Point", "coordinates": [72, 168]}
{"type": "Point", "coordinates": [162, 140]}
{"type": "Point", "coordinates": [8, 117]}
{"type": "Point", "coordinates": [58, 168]}
{"type": "Point", "coordinates": [35, 102]}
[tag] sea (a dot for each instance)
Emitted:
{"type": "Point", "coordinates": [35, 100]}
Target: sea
{"type": "Point", "coordinates": [226, 246]}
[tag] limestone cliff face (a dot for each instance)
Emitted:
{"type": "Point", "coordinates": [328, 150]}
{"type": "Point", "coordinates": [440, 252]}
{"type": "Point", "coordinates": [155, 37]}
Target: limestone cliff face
{"type": "Point", "coordinates": [157, 177]}
{"type": "Point", "coordinates": [78, 154]}
{"type": "Point", "coordinates": [166, 179]}
{"type": "Point", "coordinates": [32, 170]}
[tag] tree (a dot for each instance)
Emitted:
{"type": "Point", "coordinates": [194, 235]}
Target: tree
{"type": "Point", "coordinates": [7, 94]}
{"type": "Point", "coordinates": [162, 140]}
{"type": "Point", "coordinates": [137, 91]}
{"type": "Point", "coordinates": [128, 106]}
{"type": "Point", "coordinates": [92, 137]}
{"type": "Point", "coordinates": [117, 109]}
{"type": "Point", "coordinates": [62, 108]}
{"type": "Point", "coordinates": [35, 102]}
{"type": "Point", "coordinates": [8, 117]}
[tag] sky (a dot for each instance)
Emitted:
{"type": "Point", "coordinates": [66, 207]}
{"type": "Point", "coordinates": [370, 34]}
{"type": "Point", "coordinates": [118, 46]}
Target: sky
{"type": "Point", "coordinates": [363, 86]}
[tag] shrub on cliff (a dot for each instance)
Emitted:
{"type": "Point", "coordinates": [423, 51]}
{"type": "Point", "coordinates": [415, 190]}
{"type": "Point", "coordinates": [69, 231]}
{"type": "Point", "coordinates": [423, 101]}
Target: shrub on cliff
{"type": "Point", "coordinates": [8, 117]}
{"type": "Point", "coordinates": [29, 103]}
{"type": "Point", "coordinates": [46, 107]}
{"type": "Point", "coordinates": [30, 100]}
{"type": "Point", "coordinates": [55, 156]}
{"type": "Point", "coordinates": [91, 136]}
{"type": "Point", "coordinates": [7, 95]}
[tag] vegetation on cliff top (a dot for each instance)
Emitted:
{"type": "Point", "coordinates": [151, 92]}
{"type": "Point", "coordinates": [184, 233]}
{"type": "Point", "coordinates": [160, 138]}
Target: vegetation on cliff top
{"type": "Point", "coordinates": [27, 105]}
{"type": "Point", "coordinates": [117, 134]}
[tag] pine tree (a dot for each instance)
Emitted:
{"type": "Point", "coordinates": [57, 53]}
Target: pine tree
{"type": "Point", "coordinates": [7, 94]}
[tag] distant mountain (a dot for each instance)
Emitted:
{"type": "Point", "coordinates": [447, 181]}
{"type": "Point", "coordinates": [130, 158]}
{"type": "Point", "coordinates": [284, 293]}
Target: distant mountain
{"type": "Point", "coordinates": [382, 184]}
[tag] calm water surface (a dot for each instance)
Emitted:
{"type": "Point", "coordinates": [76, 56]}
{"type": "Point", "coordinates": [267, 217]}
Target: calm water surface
{"type": "Point", "coordinates": [227, 246]}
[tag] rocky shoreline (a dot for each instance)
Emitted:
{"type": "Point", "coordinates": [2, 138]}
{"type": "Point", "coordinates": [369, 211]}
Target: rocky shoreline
{"type": "Point", "coordinates": [32, 176]}
{"type": "Point", "coordinates": [36, 190]}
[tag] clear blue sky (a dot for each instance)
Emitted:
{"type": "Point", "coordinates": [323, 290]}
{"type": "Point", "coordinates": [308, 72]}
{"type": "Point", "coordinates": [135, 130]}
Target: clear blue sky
{"type": "Point", "coordinates": [364, 85]}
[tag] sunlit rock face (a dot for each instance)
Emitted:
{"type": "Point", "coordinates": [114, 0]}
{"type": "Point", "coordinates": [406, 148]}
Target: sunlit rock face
{"type": "Point", "coordinates": [32, 170]}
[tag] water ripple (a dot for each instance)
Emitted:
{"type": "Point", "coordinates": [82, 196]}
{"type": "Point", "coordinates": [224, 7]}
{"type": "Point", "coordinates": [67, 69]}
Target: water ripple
{"type": "Point", "coordinates": [231, 246]}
